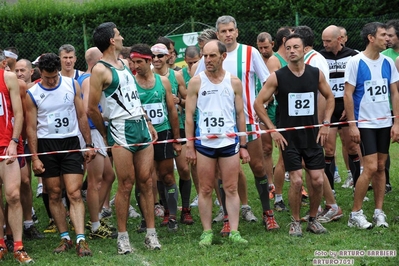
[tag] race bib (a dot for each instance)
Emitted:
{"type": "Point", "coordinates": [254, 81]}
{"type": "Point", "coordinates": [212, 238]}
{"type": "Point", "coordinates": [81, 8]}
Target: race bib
{"type": "Point", "coordinates": [212, 122]}
{"type": "Point", "coordinates": [130, 97]}
{"type": "Point", "coordinates": [376, 90]}
{"type": "Point", "coordinates": [337, 87]}
{"type": "Point", "coordinates": [301, 104]}
{"type": "Point", "coordinates": [59, 123]}
{"type": "Point", "coordinates": [1, 105]}
{"type": "Point", "coordinates": [155, 112]}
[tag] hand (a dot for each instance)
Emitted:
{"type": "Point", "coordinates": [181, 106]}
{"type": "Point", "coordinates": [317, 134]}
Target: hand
{"type": "Point", "coordinates": [395, 133]}
{"type": "Point", "coordinates": [90, 155]}
{"type": "Point", "coordinates": [191, 156]}
{"type": "Point", "coordinates": [153, 132]}
{"type": "Point", "coordinates": [37, 166]}
{"type": "Point", "coordinates": [11, 151]}
{"type": "Point", "coordinates": [244, 155]}
{"type": "Point", "coordinates": [177, 148]}
{"type": "Point", "coordinates": [280, 141]}
{"type": "Point", "coordinates": [323, 135]}
{"type": "Point", "coordinates": [354, 134]}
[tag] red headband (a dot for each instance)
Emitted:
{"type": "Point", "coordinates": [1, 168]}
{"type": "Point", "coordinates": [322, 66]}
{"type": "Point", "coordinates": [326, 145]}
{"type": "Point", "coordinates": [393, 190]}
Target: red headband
{"type": "Point", "coordinates": [133, 54]}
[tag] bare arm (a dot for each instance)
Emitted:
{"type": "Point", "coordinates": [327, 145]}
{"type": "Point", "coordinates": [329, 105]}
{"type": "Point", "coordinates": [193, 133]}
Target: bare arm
{"type": "Point", "coordinates": [191, 104]}
{"type": "Point", "coordinates": [181, 89]}
{"type": "Point", "coordinates": [325, 91]}
{"type": "Point", "coordinates": [395, 109]}
{"type": "Point", "coordinates": [240, 117]}
{"type": "Point", "coordinates": [350, 112]}
{"type": "Point", "coordinates": [13, 87]}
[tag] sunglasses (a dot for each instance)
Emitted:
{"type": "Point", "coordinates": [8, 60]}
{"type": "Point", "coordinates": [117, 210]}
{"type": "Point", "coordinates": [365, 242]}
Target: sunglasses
{"type": "Point", "coordinates": [157, 55]}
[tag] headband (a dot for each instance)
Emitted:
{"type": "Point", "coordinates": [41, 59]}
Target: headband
{"type": "Point", "coordinates": [10, 54]}
{"type": "Point", "coordinates": [144, 56]}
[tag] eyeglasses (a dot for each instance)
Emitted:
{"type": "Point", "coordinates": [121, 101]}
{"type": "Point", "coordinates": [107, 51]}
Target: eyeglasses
{"type": "Point", "coordinates": [157, 55]}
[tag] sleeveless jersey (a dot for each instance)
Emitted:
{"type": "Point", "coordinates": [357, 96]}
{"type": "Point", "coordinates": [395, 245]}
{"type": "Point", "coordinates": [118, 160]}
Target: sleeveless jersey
{"type": "Point", "coordinates": [56, 113]}
{"type": "Point", "coordinates": [6, 113]}
{"type": "Point", "coordinates": [283, 63]}
{"type": "Point", "coordinates": [216, 111]}
{"type": "Point", "coordinates": [246, 63]}
{"type": "Point", "coordinates": [372, 79]}
{"type": "Point", "coordinates": [297, 100]}
{"type": "Point", "coordinates": [337, 66]}
{"type": "Point", "coordinates": [80, 80]}
{"type": "Point", "coordinates": [154, 104]}
{"type": "Point", "coordinates": [186, 75]}
{"type": "Point", "coordinates": [175, 91]}
{"type": "Point", "coordinates": [121, 100]}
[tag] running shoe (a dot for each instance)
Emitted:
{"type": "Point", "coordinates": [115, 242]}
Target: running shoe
{"type": "Point", "coordinates": [226, 227]}
{"type": "Point", "coordinates": [216, 202]}
{"type": "Point", "coordinates": [269, 221]}
{"type": "Point", "coordinates": [84, 194]}
{"type": "Point", "coordinates": [22, 257]}
{"type": "Point", "coordinates": [151, 242]}
{"type": "Point", "coordinates": [349, 181]}
{"type": "Point", "coordinates": [280, 206]}
{"type": "Point", "coordinates": [103, 232]}
{"type": "Point", "coordinates": [32, 233]}
{"type": "Point", "coordinates": [295, 228]}
{"type": "Point", "coordinates": [219, 216]}
{"type": "Point", "coordinates": [315, 227]}
{"type": "Point", "coordinates": [165, 220]}
{"type": "Point", "coordinates": [133, 213]}
{"type": "Point", "coordinates": [3, 252]}
{"type": "Point", "coordinates": [329, 214]}
{"type": "Point", "coordinates": [236, 238]}
{"type": "Point", "coordinates": [64, 245]}
{"type": "Point", "coordinates": [272, 190]}
{"type": "Point", "coordinates": [123, 245]}
{"type": "Point", "coordinates": [185, 217]}
{"type": "Point", "coordinates": [51, 228]}
{"type": "Point", "coordinates": [380, 220]}
{"type": "Point", "coordinates": [206, 239]}
{"type": "Point", "coordinates": [142, 227]}
{"type": "Point", "coordinates": [248, 215]}
{"type": "Point", "coordinates": [388, 188]}
{"type": "Point", "coordinates": [82, 249]}
{"type": "Point", "coordinates": [172, 224]}
{"type": "Point", "coordinates": [194, 203]}
{"type": "Point", "coordinates": [359, 220]}
{"type": "Point", "coordinates": [106, 213]}
{"type": "Point", "coordinates": [337, 177]}
{"type": "Point", "coordinates": [159, 210]}
{"type": "Point", "coordinates": [39, 191]}
{"type": "Point", "coordinates": [112, 201]}
{"type": "Point", "coordinates": [9, 243]}
{"type": "Point", "coordinates": [287, 177]}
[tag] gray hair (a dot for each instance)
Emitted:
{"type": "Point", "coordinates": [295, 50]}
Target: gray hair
{"type": "Point", "coordinates": [207, 34]}
{"type": "Point", "coordinates": [225, 20]}
{"type": "Point", "coordinates": [263, 36]}
{"type": "Point", "coordinates": [67, 48]}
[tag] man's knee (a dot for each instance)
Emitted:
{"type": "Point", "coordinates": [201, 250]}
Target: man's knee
{"type": "Point", "coordinates": [13, 197]}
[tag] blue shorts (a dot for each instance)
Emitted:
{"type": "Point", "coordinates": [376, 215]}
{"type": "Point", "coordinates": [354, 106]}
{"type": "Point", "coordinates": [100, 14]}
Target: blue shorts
{"type": "Point", "coordinates": [227, 151]}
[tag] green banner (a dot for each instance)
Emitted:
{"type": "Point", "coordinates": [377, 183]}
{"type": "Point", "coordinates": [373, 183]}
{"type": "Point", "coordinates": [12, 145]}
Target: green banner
{"type": "Point", "coordinates": [181, 43]}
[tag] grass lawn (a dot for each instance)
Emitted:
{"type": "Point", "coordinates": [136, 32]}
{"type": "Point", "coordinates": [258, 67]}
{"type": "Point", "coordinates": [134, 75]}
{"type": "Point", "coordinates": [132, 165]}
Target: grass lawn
{"type": "Point", "coordinates": [264, 248]}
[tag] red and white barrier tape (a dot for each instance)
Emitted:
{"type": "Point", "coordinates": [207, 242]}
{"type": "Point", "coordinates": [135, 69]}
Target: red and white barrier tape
{"type": "Point", "coordinates": [211, 136]}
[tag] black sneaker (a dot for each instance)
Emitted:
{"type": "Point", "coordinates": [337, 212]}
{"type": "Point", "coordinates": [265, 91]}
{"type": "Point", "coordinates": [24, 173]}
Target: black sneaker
{"type": "Point", "coordinates": [280, 206]}
{"type": "Point", "coordinates": [10, 243]}
{"type": "Point", "coordinates": [142, 227]}
{"type": "Point", "coordinates": [388, 188]}
{"type": "Point", "coordinates": [172, 225]}
{"type": "Point", "coordinates": [32, 233]}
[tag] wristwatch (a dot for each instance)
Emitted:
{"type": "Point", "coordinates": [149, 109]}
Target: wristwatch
{"type": "Point", "coordinates": [245, 146]}
{"type": "Point", "coordinates": [91, 145]}
{"type": "Point", "coordinates": [16, 140]}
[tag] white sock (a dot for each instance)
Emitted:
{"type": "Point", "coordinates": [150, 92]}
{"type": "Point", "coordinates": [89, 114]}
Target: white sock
{"type": "Point", "coordinates": [378, 211]}
{"type": "Point", "coordinates": [28, 224]}
{"type": "Point", "coordinates": [95, 226]}
{"type": "Point", "coordinates": [278, 197]}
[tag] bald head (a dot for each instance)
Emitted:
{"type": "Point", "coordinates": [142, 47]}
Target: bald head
{"type": "Point", "coordinates": [331, 37]}
{"type": "Point", "coordinates": [23, 69]}
{"type": "Point", "coordinates": [92, 56]}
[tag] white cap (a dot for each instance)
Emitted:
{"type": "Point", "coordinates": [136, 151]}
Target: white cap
{"type": "Point", "coordinates": [36, 60]}
{"type": "Point", "coordinates": [159, 48]}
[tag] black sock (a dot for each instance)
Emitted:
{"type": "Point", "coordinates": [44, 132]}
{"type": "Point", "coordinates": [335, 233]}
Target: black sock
{"type": "Point", "coordinates": [137, 196]}
{"type": "Point", "coordinates": [329, 169]}
{"type": "Point", "coordinates": [185, 192]}
{"type": "Point", "coordinates": [262, 186]}
{"type": "Point", "coordinates": [46, 203]}
{"type": "Point", "coordinates": [387, 167]}
{"type": "Point", "coordinates": [161, 192]}
{"type": "Point", "coordinates": [354, 165]}
{"type": "Point", "coordinates": [222, 196]}
{"type": "Point", "coordinates": [172, 197]}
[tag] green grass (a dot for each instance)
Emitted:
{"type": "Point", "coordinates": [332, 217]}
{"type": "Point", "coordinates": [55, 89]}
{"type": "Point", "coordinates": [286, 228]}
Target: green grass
{"type": "Point", "coordinates": [264, 248]}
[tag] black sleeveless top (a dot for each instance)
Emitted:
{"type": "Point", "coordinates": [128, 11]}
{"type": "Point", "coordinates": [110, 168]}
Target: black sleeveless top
{"type": "Point", "coordinates": [302, 93]}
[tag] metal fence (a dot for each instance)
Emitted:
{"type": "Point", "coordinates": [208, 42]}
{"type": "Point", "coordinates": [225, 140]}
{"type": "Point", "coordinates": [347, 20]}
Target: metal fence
{"type": "Point", "coordinates": [31, 45]}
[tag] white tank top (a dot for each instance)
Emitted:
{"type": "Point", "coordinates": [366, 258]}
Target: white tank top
{"type": "Point", "coordinates": [216, 111]}
{"type": "Point", "coordinates": [56, 113]}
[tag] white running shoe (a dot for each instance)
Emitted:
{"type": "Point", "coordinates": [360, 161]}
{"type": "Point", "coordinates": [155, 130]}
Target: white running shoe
{"type": "Point", "coordinates": [158, 210]}
{"type": "Point", "coordinates": [123, 245]}
{"type": "Point", "coordinates": [151, 242]}
{"type": "Point", "coordinates": [349, 181]}
{"type": "Point", "coordinates": [219, 216]}
{"type": "Point", "coordinates": [106, 213]}
{"type": "Point", "coordinates": [195, 202]}
{"type": "Point", "coordinates": [380, 220]}
{"type": "Point", "coordinates": [359, 220]}
{"type": "Point", "coordinates": [216, 202]}
{"type": "Point", "coordinates": [133, 213]}
{"type": "Point", "coordinates": [337, 177]}
{"type": "Point", "coordinates": [248, 215]}
{"type": "Point", "coordinates": [39, 190]}
{"type": "Point", "coordinates": [287, 177]}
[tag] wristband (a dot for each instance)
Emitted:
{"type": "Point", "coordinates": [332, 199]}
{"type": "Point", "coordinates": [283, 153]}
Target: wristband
{"type": "Point", "coordinates": [245, 146]}
{"type": "Point", "coordinates": [15, 140]}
